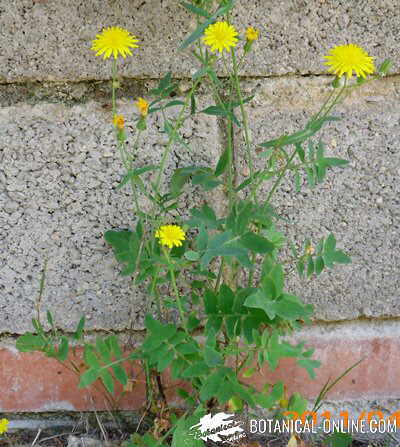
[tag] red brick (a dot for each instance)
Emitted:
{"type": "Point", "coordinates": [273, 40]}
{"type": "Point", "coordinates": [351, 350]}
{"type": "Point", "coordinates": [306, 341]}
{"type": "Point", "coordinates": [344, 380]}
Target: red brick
{"type": "Point", "coordinates": [32, 382]}
{"type": "Point", "coordinates": [376, 377]}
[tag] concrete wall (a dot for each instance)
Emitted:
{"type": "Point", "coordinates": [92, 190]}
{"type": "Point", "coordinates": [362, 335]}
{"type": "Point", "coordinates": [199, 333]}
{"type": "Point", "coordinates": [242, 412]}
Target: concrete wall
{"type": "Point", "coordinates": [59, 167]}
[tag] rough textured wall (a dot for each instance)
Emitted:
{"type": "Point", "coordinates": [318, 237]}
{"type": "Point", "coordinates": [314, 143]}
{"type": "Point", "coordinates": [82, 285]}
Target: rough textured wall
{"type": "Point", "coordinates": [59, 167]}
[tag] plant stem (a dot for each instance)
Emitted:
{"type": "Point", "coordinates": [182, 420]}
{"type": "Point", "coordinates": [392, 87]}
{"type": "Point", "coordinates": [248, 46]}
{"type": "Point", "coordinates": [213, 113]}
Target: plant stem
{"type": "Point", "coordinates": [114, 78]}
{"type": "Point", "coordinates": [243, 112]}
{"type": "Point", "coordinates": [154, 292]}
{"type": "Point", "coordinates": [173, 136]}
{"type": "Point", "coordinates": [220, 271]}
{"type": "Point", "coordinates": [281, 175]}
{"type": "Point", "coordinates": [229, 136]}
{"type": "Point", "coordinates": [174, 286]}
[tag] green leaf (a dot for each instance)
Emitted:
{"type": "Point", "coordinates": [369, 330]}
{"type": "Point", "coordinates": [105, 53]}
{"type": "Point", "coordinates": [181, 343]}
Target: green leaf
{"type": "Point", "coordinates": [180, 177]}
{"type": "Point", "coordinates": [210, 302]}
{"type": "Point", "coordinates": [183, 436]}
{"type": "Point", "coordinates": [193, 323]}
{"type": "Point", "coordinates": [338, 440]}
{"type": "Point", "coordinates": [212, 357]}
{"type": "Point", "coordinates": [385, 67]}
{"type": "Point", "coordinates": [63, 349]}
{"type": "Point", "coordinates": [103, 350]}
{"type": "Point", "coordinates": [141, 124]}
{"type": "Point", "coordinates": [223, 163]}
{"type": "Point", "coordinates": [165, 360]}
{"type": "Point", "coordinates": [289, 307]}
{"type": "Point", "coordinates": [90, 357]}
{"type": "Point", "coordinates": [135, 173]}
{"type": "Point", "coordinates": [88, 377]}
{"type": "Point", "coordinates": [114, 346]}
{"type": "Point", "coordinates": [203, 217]}
{"type": "Point", "coordinates": [310, 266]}
{"type": "Point", "coordinates": [298, 137]}
{"type": "Point", "coordinates": [79, 329]}
{"type": "Point", "coordinates": [297, 403]}
{"type": "Point", "coordinates": [214, 322]}
{"type": "Point", "coordinates": [339, 257]}
{"type": "Point", "coordinates": [202, 238]}
{"type": "Point", "coordinates": [50, 319]}
{"type": "Point", "coordinates": [211, 385]}
{"type": "Point", "coordinates": [327, 162]}
{"type": "Point", "coordinates": [192, 255]}
{"type": "Point", "coordinates": [215, 111]}
{"type": "Point", "coordinates": [224, 244]}
{"type": "Point", "coordinates": [164, 83]}
{"type": "Point", "coordinates": [330, 243]}
{"type": "Point", "coordinates": [310, 177]}
{"type": "Point", "coordinates": [120, 374]}
{"type": "Point", "coordinates": [320, 150]}
{"type": "Point", "coordinates": [300, 267]}
{"type": "Point", "coordinates": [278, 277]}
{"type": "Point", "coordinates": [126, 248]}
{"type": "Point", "coordinates": [257, 243]}
{"type": "Point", "coordinates": [193, 107]}
{"type": "Point", "coordinates": [107, 380]}
{"type": "Point", "coordinates": [206, 179]}
{"type": "Point", "coordinates": [258, 300]}
{"type": "Point", "coordinates": [293, 249]}
{"type": "Point", "coordinates": [319, 265]}
{"type": "Point", "coordinates": [320, 172]}
{"type": "Point", "coordinates": [165, 106]}
{"type": "Point", "coordinates": [30, 342]}
{"type": "Point", "coordinates": [309, 365]}
{"type": "Point", "coordinates": [226, 299]}
{"type": "Point", "coordinates": [196, 370]}
{"type": "Point", "coordinates": [267, 401]}
{"type": "Point", "coordinates": [300, 153]}
{"type": "Point", "coordinates": [336, 256]}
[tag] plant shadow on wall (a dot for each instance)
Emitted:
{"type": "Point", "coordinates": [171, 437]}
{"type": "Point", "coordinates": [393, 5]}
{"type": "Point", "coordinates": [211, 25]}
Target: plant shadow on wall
{"type": "Point", "coordinates": [218, 309]}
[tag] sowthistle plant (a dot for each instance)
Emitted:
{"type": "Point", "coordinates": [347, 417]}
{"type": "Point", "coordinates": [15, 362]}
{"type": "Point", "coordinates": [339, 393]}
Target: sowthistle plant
{"type": "Point", "coordinates": [226, 313]}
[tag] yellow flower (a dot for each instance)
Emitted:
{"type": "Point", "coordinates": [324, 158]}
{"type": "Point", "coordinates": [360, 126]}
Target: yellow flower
{"type": "Point", "coordinates": [3, 425]}
{"type": "Point", "coordinates": [170, 235]}
{"type": "Point", "coordinates": [346, 58]}
{"type": "Point", "coordinates": [252, 34]}
{"type": "Point", "coordinates": [310, 250]}
{"type": "Point", "coordinates": [143, 106]}
{"type": "Point", "coordinates": [114, 41]}
{"type": "Point", "coordinates": [220, 36]}
{"type": "Point", "coordinates": [119, 122]}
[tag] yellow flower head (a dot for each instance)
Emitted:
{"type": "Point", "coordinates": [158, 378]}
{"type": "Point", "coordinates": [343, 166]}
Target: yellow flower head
{"type": "Point", "coordinates": [170, 235]}
{"type": "Point", "coordinates": [143, 106]}
{"type": "Point", "coordinates": [310, 250]}
{"type": "Point", "coordinates": [220, 36]}
{"type": "Point", "coordinates": [119, 122]}
{"type": "Point", "coordinates": [114, 41]}
{"type": "Point", "coordinates": [252, 34]}
{"type": "Point", "coordinates": [346, 58]}
{"type": "Point", "coordinates": [3, 425]}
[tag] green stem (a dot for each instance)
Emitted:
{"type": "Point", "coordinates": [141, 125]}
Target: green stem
{"type": "Point", "coordinates": [114, 78]}
{"type": "Point", "coordinates": [273, 189]}
{"type": "Point", "coordinates": [243, 112]}
{"type": "Point", "coordinates": [153, 292]}
{"type": "Point", "coordinates": [281, 175]}
{"type": "Point", "coordinates": [230, 148]}
{"type": "Point", "coordinates": [174, 286]}
{"type": "Point", "coordinates": [220, 271]}
{"type": "Point", "coordinates": [173, 136]}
